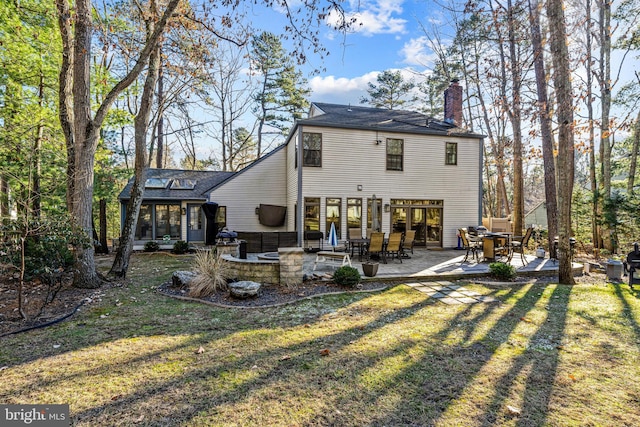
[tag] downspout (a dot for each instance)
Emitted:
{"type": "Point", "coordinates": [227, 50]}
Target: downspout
{"type": "Point", "coordinates": [299, 198]}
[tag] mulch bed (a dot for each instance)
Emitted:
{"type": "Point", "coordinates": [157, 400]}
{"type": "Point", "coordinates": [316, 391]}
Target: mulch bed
{"type": "Point", "coordinates": [273, 295]}
{"type": "Point", "coordinates": [36, 292]}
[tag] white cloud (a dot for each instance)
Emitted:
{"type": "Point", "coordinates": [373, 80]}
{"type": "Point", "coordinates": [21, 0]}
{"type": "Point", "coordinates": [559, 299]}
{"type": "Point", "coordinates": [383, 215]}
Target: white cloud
{"type": "Point", "coordinates": [343, 90]}
{"type": "Point", "coordinates": [371, 17]}
{"type": "Point", "coordinates": [326, 84]}
{"type": "Point", "coordinates": [418, 52]}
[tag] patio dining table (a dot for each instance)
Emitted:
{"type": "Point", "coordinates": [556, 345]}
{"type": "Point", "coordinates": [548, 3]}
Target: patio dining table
{"type": "Point", "coordinates": [495, 244]}
{"type": "Point", "coordinates": [362, 245]}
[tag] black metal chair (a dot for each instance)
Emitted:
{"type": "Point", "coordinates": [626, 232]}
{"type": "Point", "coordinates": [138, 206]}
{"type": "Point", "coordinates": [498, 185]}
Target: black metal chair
{"type": "Point", "coordinates": [633, 264]}
{"type": "Point", "coordinates": [470, 246]}
{"type": "Point", "coordinates": [519, 243]}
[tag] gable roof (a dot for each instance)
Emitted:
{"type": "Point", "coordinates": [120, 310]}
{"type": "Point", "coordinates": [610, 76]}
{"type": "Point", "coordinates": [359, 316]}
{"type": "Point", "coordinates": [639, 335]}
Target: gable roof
{"type": "Point", "coordinates": [380, 119]}
{"type": "Point", "coordinates": [204, 182]}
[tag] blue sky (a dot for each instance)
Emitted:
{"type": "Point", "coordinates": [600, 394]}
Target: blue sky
{"type": "Point", "coordinates": [388, 35]}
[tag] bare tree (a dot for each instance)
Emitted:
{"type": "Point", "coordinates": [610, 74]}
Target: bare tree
{"type": "Point", "coordinates": [546, 125]}
{"type": "Point", "coordinates": [229, 99]}
{"type": "Point", "coordinates": [125, 248]}
{"type": "Point", "coordinates": [564, 114]}
{"type": "Point", "coordinates": [80, 125]}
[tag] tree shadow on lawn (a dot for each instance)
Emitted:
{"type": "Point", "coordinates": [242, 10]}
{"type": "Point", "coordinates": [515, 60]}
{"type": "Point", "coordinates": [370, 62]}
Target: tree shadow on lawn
{"type": "Point", "coordinates": [431, 377]}
{"type": "Point", "coordinates": [348, 384]}
{"type": "Point", "coordinates": [259, 372]}
{"type": "Point", "coordinates": [450, 372]}
{"type": "Point", "coordinates": [627, 309]}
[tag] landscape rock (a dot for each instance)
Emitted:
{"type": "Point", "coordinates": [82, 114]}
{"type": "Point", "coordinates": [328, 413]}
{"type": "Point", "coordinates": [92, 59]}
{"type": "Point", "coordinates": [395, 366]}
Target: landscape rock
{"type": "Point", "coordinates": [244, 289]}
{"type": "Point", "coordinates": [181, 279]}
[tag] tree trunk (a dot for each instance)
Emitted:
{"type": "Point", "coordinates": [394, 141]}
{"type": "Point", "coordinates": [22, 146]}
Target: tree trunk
{"type": "Point", "coordinates": [604, 27]}
{"type": "Point", "coordinates": [4, 197]}
{"type": "Point", "coordinates": [81, 131]}
{"type": "Point", "coordinates": [160, 135]}
{"type": "Point", "coordinates": [503, 200]}
{"type": "Point", "coordinates": [516, 125]}
{"type": "Point", "coordinates": [85, 141]}
{"type": "Point", "coordinates": [566, 161]}
{"type": "Point", "coordinates": [141, 125]}
{"type": "Point", "coordinates": [546, 126]}
{"type": "Point", "coordinates": [21, 310]}
{"type": "Point", "coordinates": [634, 156]}
{"type": "Point", "coordinates": [65, 96]}
{"type": "Point", "coordinates": [102, 221]}
{"type": "Point", "coordinates": [37, 150]}
{"type": "Point", "coordinates": [488, 208]}
{"type": "Point", "coordinates": [595, 194]}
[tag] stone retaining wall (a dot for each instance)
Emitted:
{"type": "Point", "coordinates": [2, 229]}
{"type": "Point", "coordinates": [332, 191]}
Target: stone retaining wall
{"type": "Point", "coordinates": [261, 271]}
{"type": "Point", "coordinates": [291, 266]}
{"type": "Point", "coordinates": [287, 271]}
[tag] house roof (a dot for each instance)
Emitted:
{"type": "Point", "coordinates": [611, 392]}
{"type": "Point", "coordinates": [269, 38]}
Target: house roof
{"type": "Point", "coordinates": [380, 119]}
{"type": "Point", "coordinates": [202, 181]}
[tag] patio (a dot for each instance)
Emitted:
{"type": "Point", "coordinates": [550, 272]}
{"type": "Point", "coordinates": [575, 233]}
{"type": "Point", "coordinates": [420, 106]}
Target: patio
{"type": "Point", "coordinates": [446, 264]}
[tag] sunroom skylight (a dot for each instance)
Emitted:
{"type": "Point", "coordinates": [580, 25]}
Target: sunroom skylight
{"type": "Point", "coordinates": [156, 183]}
{"type": "Point", "coordinates": [183, 184]}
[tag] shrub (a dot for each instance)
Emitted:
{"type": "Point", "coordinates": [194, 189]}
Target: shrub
{"type": "Point", "coordinates": [347, 276]}
{"type": "Point", "coordinates": [180, 247]}
{"type": "Point", "coordinates": [47, 245]}
{"type": "Point", "coordinates": [151, 246]}
{"type": "Point", "coordinates": [502, 271]}
{"type": "Point", "coordinates": [211, 274]}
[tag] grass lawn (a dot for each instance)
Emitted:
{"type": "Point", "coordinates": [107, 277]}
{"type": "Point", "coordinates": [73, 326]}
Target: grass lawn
{"type": "Point", "coordinates": [546, 355]}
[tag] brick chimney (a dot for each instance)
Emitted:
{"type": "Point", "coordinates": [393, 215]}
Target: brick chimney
{"type": "Point", "coordinates": [453, 103]}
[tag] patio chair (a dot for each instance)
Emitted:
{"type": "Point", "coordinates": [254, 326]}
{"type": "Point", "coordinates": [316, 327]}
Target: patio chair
{"type": "Point", "coordinates": [409, 238]}
{"type": "Point", "coordinates": [394, 246]}
{"type": "Point", "coordinates": [353, 233]}
{"type": "Point", "coordinates": [519, 243]}
{"type": "Point", "coordinates": [469, 246]}
{"type": "Point", "coordinates": [632, 265]}
{"type": "Point", "coordinates": [376, 246]}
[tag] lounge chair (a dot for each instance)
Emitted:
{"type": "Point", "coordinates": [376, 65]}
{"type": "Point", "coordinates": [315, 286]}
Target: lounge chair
{"type": "Point", "coordinates": [409, 238]}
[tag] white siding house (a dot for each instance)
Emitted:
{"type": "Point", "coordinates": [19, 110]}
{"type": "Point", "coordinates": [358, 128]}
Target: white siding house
{"type": "Point", "coordinates": [399, 158]}
{"type": "Point", "coordinates": [425, 175]}
{"type": "Point", "coordinates": [263, 182]}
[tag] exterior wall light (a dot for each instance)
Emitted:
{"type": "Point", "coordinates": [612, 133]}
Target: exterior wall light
{"type": "Point", "coordinates": [359, 187]}
{"type": "Point", "coordinates": [387, 207]}
{"type": "Point", "coordinates": [183, 211]}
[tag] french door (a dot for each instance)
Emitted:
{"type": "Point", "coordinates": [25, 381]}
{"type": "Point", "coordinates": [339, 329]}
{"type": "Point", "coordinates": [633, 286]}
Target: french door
{"type": "Point", "coordinates": [427, 222]}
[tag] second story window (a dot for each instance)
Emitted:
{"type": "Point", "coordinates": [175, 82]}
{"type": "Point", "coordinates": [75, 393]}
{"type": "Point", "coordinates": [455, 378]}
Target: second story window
{"type": "Point", "coordinates": [395, 151]}
{"type": "Point", "coordinates": [452, 154]}
{"type": "Point", "coordinates": [312, 143]}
